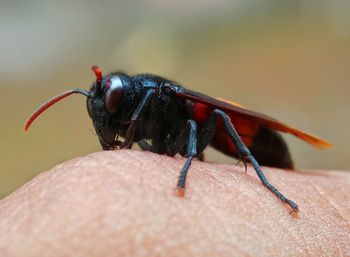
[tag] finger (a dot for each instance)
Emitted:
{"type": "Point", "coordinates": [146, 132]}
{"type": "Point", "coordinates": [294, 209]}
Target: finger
{"type": "Point", "coordinates": [121, 203]}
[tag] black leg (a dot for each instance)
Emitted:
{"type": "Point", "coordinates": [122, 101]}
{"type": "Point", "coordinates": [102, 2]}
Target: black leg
{"type": "Point", "coordinates": [206, 133]}
{"type": "Point", "coordinates": [245, 154]}
{"type": "Point", "coordinates": [200, 157]}
{"type": "Point", "coordinates": [266, 183]}
{"type": "Point", "coordinates": [191, 153]}
{"type": "Point", "coordinates": [129, 146]}
{"type": "Point", "coordinates": [176, 145]}
{"type": "Point", "coordinates": [136, 117]}
{"type": "Point", "coordinates": [144, 145]}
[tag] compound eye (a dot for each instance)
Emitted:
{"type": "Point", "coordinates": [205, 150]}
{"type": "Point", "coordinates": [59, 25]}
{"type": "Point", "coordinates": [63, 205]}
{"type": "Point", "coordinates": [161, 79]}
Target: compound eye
{"type": "Point", "coordinates": [113, 91]}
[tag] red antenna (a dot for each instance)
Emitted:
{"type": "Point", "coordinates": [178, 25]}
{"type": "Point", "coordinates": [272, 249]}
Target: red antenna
{"type": "Point", "coordinates": [51, 102]}
{"type": "Point", "coordinates": [98, 72]}
{"type": "Point", "coordinates": [57, 98]}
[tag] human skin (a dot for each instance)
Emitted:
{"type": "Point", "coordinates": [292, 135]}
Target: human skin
{"type": "Point", "coordinates": [122, 203]}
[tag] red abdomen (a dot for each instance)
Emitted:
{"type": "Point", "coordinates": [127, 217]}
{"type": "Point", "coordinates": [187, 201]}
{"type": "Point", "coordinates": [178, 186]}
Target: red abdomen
{"type": "Point", "coordinates": [221, 141]}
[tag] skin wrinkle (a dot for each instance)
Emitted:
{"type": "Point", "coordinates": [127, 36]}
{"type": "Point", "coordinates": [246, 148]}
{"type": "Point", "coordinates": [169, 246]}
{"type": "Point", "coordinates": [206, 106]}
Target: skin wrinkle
{"type": "Point", "coordinates": [201, 197]}
{"type": "Point", "coordinates": [217, 179]}
{"type": "Point", "coordinates": [328, 198]}
{"type": "Point", "coordinates": [326, 231]}
{"type": "Point", "coordinates": [209, 205]}
{"type": "Point", "coordinates": [76, 206]}
{"type": "Point", "coordinates": [245, 195]}
{"type": "Point", "coordinates": [142, 177]}
{"type": "Point", "coordinates": [234, 180]}
{"type": "Point", "coordinates": [311, 214]}
{"type": "Point", "coordinates": [181, 244]}
{"type": "Point", "coordinates": [168, 244]}
{"type": "Point", "coordinates": [137, 162]}
{"type": "Point", "coordinates": [223, 227]}
{"type": "Point", "coordinates": [142, 173]}
{"type": "Point", "coordinates": [160, 166]}
{"type": "Point", "coordinates": [135, 165]}
{"type": "Point", "coordinates": [225, 185]}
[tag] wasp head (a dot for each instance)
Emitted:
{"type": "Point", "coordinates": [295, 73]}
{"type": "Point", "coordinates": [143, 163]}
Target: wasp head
{"type": "Point", "coordinates": [106, 94]}
{"type": "Point", "coordinates": [103, 102]}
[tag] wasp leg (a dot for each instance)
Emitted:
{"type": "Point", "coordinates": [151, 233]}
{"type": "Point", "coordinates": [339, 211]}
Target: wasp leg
{"type": "Point", "coordinates": [129, 146]}
{"type": "Point", "coordinates": [191, 153]}
{"type": "Point", "coordinates": [168, 145]}
{"type": "Point", "coordinates": [144, 145]}
{"type": "Point", "coordinates": [136, 117]}
{"type": "Point", "coordinates": [207, 134]}
{"type": "Point", "coordinates": [200, 157]}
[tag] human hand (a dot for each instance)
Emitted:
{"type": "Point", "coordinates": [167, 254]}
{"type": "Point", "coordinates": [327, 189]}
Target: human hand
{"type": "Point", "coordinates": [121, 203]}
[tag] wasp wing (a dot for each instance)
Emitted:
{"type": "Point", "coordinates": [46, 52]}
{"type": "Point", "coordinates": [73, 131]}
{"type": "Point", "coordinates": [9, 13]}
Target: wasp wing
{"type": "Point", "coordinates": [234, 109]}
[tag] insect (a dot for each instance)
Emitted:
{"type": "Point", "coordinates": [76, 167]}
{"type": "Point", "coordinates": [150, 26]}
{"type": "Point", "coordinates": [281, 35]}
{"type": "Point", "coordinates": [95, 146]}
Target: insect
{"type": "Point", "coordinates": [165, 118]}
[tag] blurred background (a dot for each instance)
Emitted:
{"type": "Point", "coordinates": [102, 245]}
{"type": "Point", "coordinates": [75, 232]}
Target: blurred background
{"type": "Point", "coordinates": [287, 59]}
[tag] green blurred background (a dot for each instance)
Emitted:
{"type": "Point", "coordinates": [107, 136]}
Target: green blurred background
{"type": "Point", "coordinates": [287, 59]}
